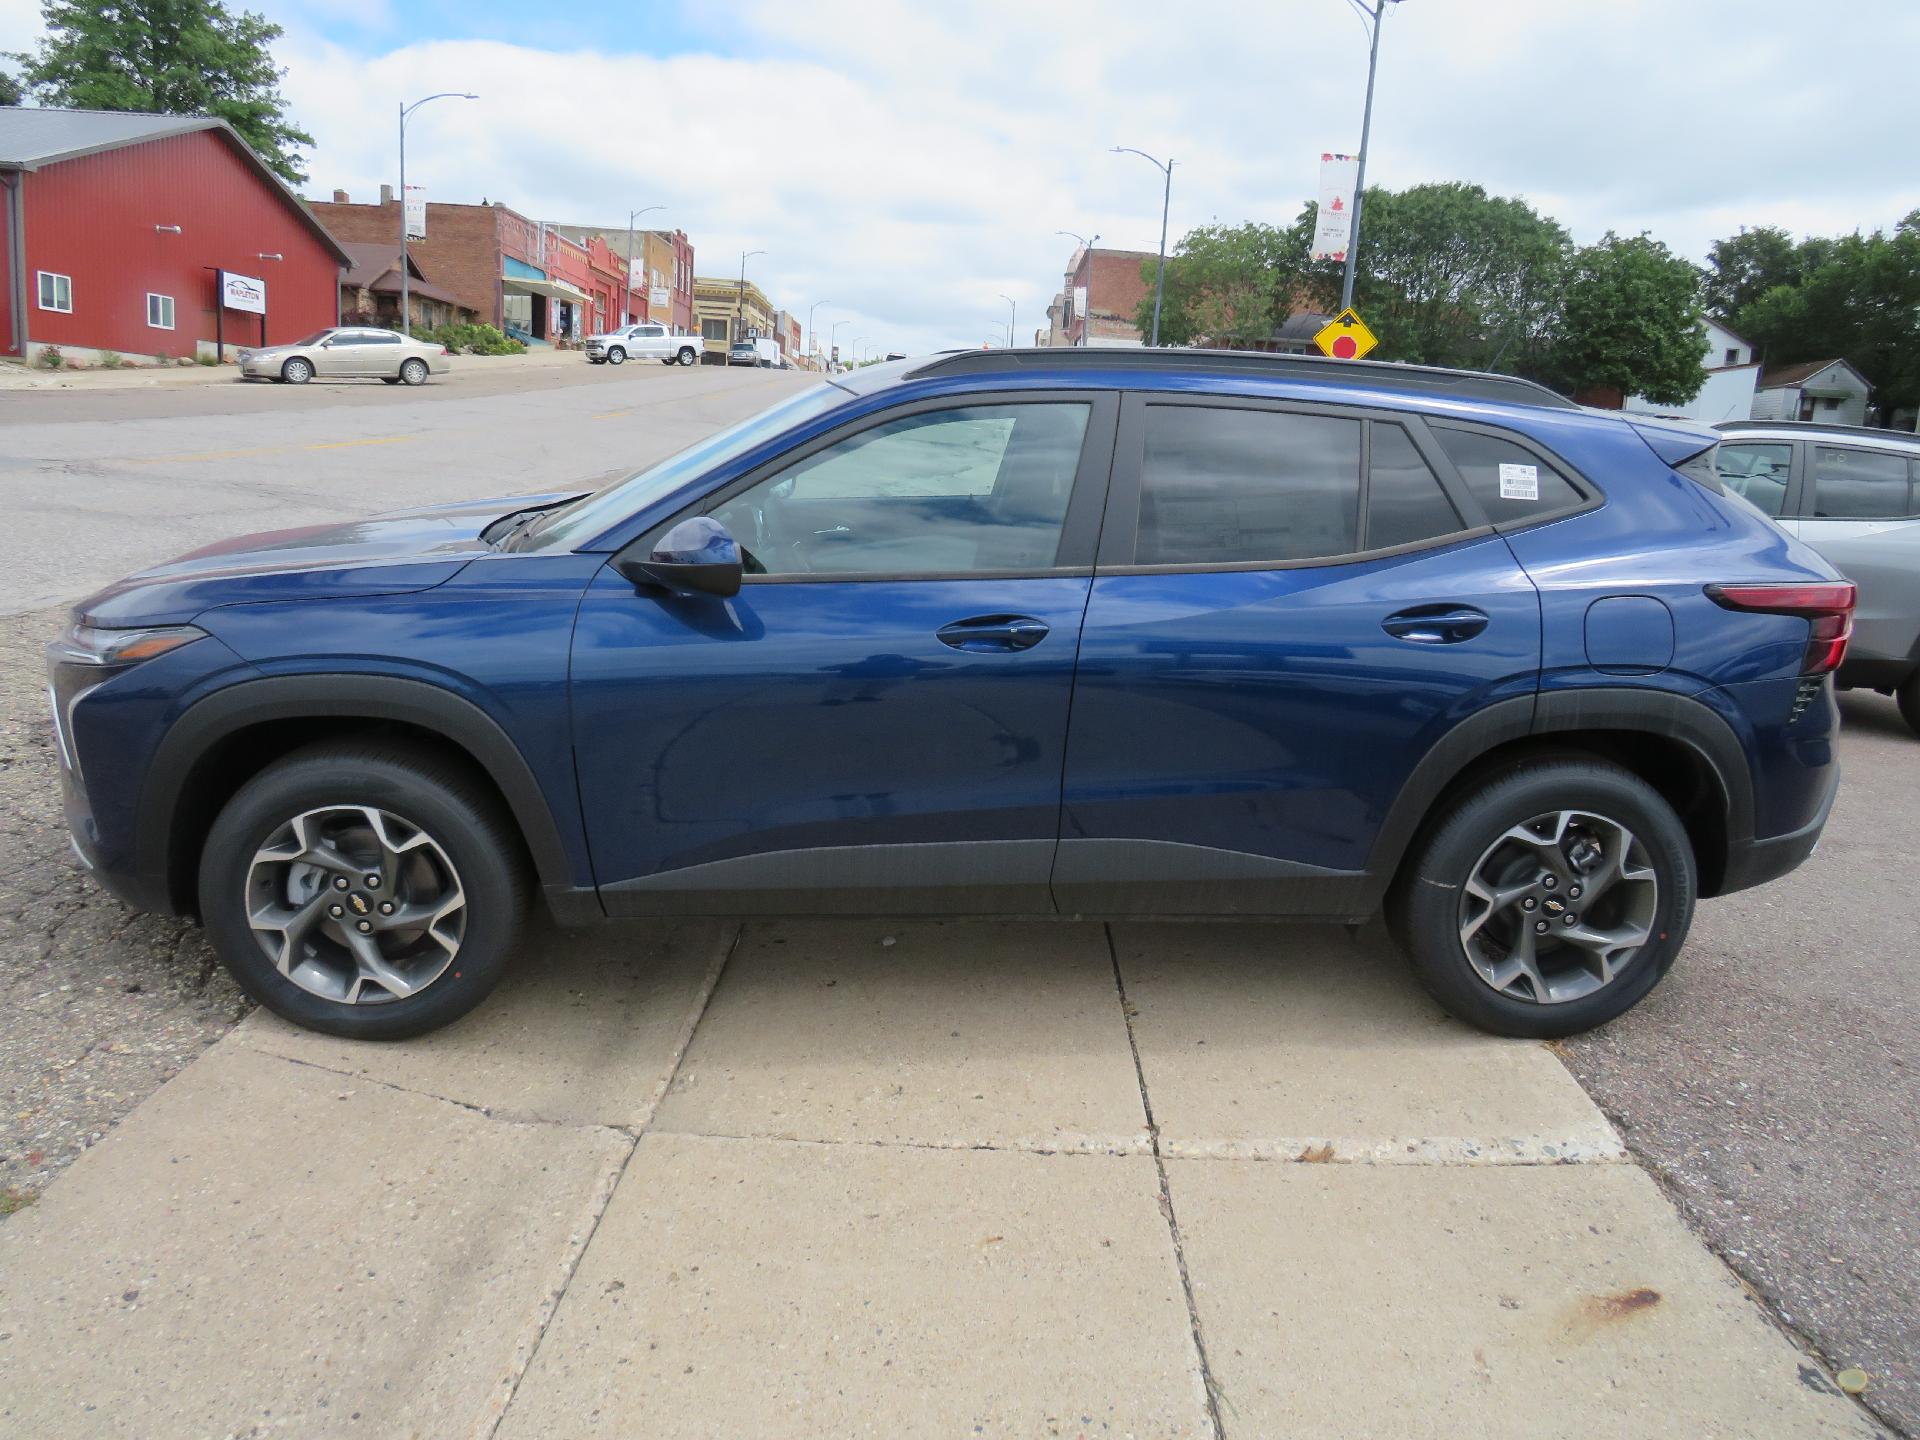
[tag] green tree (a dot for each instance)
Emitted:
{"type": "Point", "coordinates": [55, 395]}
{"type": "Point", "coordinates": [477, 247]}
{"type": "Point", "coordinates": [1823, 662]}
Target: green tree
{"type": "Point", "coordinates": [1856, 297]}
{"type": "Point", "coordinates": [1450, 275]}
{"type": "Point", "coordinates": [1743, 267]}
{"type": "Point", "coordinates": [10, 91]}
{"type": "Point", "coordinates": [1230, 285]}
{"type": "Point", "coordinates": [1631, 322]}
{"type": "Point", "coordinates": [177, 57]}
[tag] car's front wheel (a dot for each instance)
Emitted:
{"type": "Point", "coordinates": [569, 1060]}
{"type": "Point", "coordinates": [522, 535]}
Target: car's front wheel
{"type": "Point", "coordinates": [616, 356]}
{"type": "Point", "coordinates": [372, 891]}
{"type": "Point", "coordinates": [1548, 899]}
{"type": "Point", "coordinates": [297, 371]}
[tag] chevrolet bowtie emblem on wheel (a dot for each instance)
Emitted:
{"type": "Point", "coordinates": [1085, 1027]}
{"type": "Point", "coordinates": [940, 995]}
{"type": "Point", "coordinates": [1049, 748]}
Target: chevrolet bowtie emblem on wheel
{"type": "Point", "coordinates": [1550, 905]}
{"type": "Point", "coordinates": [360, 906]}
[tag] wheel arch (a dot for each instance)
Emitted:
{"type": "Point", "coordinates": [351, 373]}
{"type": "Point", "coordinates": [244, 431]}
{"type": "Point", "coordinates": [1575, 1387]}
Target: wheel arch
{"type": "Point", "coordinates": [225, 739]}
{"type": "Point", "coordinates": [1679, 746]}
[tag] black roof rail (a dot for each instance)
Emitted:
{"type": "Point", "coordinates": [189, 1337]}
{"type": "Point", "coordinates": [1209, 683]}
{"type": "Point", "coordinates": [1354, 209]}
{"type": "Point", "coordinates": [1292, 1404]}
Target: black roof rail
{"type": "Point", "coordinates": [1418, 379]}
{"type": "Point", "coordinates": [1819, 427]}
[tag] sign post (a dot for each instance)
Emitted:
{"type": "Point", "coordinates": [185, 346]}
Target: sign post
{"type": "Point", "coordinates": [1346, 336]}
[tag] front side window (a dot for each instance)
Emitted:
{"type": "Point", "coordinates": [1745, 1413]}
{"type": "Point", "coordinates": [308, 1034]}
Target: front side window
{"type": "Point", "coordinates": [56, 292]}
{"type": "Point", "coordinates": [977, 488]}
{"type": "Point", "coordinates": [1860, 484]}
{"type": "Point", "coordinates": [160, 311]}
{"type": "Point", "coordinates": [1511, 482]}
{"type": "Point", "coordinates": [1221, 486]}
{"type": "Point", "coordinates": [1757, 473]}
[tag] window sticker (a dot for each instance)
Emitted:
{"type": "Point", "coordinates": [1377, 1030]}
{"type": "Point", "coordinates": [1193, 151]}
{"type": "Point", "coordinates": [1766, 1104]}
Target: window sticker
{"type": "Point", "coordinates": [1519, 482]}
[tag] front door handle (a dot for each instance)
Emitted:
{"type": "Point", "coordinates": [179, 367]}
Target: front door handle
{"type": "Point", "coordinates": [994, 632]}
{"type": "Point", "coordinates": [1435, 624]}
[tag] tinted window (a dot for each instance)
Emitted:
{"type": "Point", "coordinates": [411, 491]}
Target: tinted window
{"type": "Point", "coordinates": [981, 487]}
{"type": "Point", "coordinates": [1405, 503]}
{"type": "Point", "coordinates": [1510, 481]}
{"type": "Point", "coordinates": [1222, 486]}
{"type": "Point", "coordinates": [1757, 473]}
{"type": "Point", "coordinates": [1859, 484]}
{"type": "Point", "coordinates": [380, 337]}
{"type": "Point", "coordinates": [347, 337]}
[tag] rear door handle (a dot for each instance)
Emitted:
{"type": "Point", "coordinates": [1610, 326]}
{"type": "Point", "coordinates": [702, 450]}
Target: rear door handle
{"type": "Point", "coordinates": [994, 632]}
{"type": "Point", "coordinates": [1435, 624]}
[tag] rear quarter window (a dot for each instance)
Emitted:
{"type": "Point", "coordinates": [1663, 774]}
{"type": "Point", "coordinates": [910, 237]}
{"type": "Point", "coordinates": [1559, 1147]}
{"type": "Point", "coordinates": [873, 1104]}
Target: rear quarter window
{"type": "Point", "coordinates": [1512, 483]}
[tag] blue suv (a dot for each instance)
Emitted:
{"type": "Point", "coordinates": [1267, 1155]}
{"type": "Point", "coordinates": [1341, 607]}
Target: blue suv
{"type": "Point", "coordinates": [1046, 633]}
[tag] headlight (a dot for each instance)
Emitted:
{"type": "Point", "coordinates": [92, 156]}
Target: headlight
{"type": "Point", "coordinates": [92, 645]}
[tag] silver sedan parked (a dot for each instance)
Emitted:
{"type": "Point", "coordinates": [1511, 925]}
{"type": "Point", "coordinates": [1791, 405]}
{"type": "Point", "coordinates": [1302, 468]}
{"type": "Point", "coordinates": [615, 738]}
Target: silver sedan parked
{"type": "Point", "coordinates": [347, 353]}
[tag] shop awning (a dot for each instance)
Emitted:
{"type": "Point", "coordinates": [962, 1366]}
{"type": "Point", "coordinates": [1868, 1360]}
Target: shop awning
{"type": "Point", "coordinates": [552, 289]}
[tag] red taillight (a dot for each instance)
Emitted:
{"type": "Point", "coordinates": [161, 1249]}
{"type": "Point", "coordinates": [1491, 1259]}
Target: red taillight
{"type": "Point", "coordinates": [1827, 606]}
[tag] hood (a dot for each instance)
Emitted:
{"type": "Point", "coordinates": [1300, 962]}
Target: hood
{"type": "Point", "coordinates": [390, 554]}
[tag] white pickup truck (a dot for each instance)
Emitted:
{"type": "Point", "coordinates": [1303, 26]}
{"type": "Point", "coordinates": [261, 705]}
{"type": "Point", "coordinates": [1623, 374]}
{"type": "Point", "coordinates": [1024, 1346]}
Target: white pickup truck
{"type": "Point", "coordinates": [643, 340]}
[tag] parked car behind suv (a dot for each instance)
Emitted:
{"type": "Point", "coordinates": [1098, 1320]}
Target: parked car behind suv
{"type": "Point", "coordinates": [1853, 494]}
{"type": "Point", "coordinates": [646, 340]}
{"type": "Point", "coordinates": [1053, 633]}
{"type": "Point", "coordinates": [347, 352]}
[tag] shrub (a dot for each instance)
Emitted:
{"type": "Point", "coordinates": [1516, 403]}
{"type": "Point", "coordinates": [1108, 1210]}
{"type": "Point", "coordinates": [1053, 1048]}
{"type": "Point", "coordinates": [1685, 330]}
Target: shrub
{"type": "Point", "coordinates": [472, 340]}
{"type": "Point", "coordinates": [111, 360]}
{"type": "Point", "coordinates": [160, 357]}
{"type": "Point", "coordinates": [205, 359]}
{"type": "Point", "coordinates": [50, 358]}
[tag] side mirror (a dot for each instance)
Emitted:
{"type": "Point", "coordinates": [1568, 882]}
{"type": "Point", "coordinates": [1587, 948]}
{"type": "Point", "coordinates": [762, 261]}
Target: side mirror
{"type": "Point", "coordinates": [697, 556]}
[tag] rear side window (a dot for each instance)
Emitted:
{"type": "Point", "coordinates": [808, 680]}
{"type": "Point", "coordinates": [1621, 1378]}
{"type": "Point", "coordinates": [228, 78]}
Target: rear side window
{"type": "Point", "coordinates": [1405, 503]}
{"type": "Point", "coordinates": [1756, 472]}
{"type": "Point", "coordinates": [1860, 484]}
{"type": "Point", "coordinates": [1221, 486]}
{"type": "Point", "coordinates": [1511, 482]}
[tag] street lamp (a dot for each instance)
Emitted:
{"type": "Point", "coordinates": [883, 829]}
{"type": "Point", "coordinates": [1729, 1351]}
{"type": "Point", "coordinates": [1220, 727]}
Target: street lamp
{"type": "Point", "coordinates": [1013, 314]}
{"type": "Point", "coordinates": [626, 305]}
{"type": "Point", "coordinates": [740, 310]}
{"type": "Point", "coordinates": [1085, 243]}
{"type": "Point", "coordinates": [1373, 15]}
{"type": "Point", "coordinates": [812, 338]}
{"type": "Point", "coordinates": [833, 336]}
{"type": "Point", "coordinates": [1166, 198]}
{"type": "Point", "coordinates": [406, 319]}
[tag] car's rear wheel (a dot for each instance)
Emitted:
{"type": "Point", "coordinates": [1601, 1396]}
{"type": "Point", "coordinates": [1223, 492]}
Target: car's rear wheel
{"type": "Point", "coordinates": [414, 372]}
{"type": "Point", "coordinates": [369, 891]}
{"type": "Point", "coordinates": [1547, 900]}
{"type": "Point", "coordinates": [616, 356]}
{"type": "Point", "coordinates": [1907, 697]}
{"type": "Point", "coordinates": [297, 371]}
{"type": "Point", "coordinates": [687, 357]}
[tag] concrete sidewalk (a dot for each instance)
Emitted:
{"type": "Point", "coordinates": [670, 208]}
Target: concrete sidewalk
{"type": "Point", "coordinates": [15, 376]}
{"type": "Point", "coordinates": [843, 1178]}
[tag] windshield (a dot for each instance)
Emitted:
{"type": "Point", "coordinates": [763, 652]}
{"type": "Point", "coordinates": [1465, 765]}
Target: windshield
{"type": "Point", "coordinates": [586, 517]}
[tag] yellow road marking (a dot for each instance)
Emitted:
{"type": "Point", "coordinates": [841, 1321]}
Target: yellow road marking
{"type": "Point", "coordinates": [370, 440]}
{"type": "Point", "coordinates": [612, 414]}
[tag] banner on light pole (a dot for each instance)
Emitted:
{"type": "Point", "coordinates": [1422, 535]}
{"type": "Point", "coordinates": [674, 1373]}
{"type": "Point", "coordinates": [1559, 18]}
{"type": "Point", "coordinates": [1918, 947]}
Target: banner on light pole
{"type": "Point", "coordinates": [1333, 226]}
{"type": "Point", "coordinates": [416, 213]}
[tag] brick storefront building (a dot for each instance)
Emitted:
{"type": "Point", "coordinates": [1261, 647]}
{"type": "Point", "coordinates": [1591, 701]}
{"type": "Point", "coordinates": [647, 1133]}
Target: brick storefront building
{"type": "Point", "coordinates": [1100, 298]}
{"type": "Point", "coordinates": [663, 280]}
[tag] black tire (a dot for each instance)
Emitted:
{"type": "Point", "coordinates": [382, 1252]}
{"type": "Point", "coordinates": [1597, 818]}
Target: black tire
{"type": "Point", "coordinates": [413, 372]}
{"type": "Point", "coordinates": [1426, 909]}
{"type": "Point", "coordinates": [686, 356]}
{"type": "Point", "coordinates": [616, 356]}
{"type": "Point", "coordinates": [1907, 697]}
{"type": "Point", "coordinates": [389, 379]}
{"type": "Point", "coordinates": [431, 792]}
{"type": "Point", "coordinates": [297, 371]}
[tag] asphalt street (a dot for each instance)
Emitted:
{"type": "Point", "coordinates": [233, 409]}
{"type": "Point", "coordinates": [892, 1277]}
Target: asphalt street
{"type": "Point", "coordinates": [1770, 1084]}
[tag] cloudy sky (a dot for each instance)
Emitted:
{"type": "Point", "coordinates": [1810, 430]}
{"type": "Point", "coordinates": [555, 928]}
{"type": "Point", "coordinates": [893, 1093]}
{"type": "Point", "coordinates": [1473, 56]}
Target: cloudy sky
{"type": "Point", "coordinates": [907, 163]}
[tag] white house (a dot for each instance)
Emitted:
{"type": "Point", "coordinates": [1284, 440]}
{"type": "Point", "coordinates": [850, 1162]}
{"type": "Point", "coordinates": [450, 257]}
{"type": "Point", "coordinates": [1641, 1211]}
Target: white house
{"type": "Point", "coordinates": [1831, 391]}
{"type": "Point", "coordinates": [1729, 389]}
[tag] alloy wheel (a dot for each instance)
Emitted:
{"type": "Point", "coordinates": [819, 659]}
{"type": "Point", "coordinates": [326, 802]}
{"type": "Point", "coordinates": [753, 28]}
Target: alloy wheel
{"type": "Point", "coordinates": [1558, 907]}
{"type": "Point", "coordinates": [356, 905]}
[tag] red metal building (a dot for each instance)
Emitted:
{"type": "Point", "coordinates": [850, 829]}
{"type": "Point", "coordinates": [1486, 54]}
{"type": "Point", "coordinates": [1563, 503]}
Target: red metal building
{"type": "Point", "coordinates": [113, 224]}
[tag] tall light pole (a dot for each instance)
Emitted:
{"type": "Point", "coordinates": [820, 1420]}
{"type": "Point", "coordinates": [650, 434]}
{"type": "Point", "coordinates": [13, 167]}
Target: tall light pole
{"type": "Point", "coordinates": [740, 309]}
{"type": "Point", "coordinates": [1085, 243]}
{"type": "Point", "coordinates": [406, 319]}
{"type": "Point", "coordinates": [626, 302]}
{"type": "Point", "coordinates": [1373, 14]}
{"type": "Point", "coordinates": [1166, 199]}
{"type": "Point", "coordinates": [833, 336]}
{"type": "Point", "coordinates": [1013, 315]}
{"type": "Point", "coordinates": [812, 337]}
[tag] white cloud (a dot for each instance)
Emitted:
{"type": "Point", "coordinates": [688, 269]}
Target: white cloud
{"type": "Point", "coordinates": [907, 162]}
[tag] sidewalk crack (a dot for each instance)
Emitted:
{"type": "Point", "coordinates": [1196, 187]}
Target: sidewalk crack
{"type": "Point", "coordinates": [1166, 1196]}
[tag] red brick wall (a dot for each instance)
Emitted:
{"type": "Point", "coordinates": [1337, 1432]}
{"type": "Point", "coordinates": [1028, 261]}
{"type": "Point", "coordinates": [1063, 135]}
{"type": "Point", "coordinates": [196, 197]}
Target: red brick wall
{"type": "Point", "coordinates": [1115, 288]}
{"type": "Point", "coordinates": [461, 253]}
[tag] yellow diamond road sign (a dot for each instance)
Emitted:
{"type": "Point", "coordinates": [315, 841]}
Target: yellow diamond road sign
{"type": "Point", "coordinates": [1345, 337]}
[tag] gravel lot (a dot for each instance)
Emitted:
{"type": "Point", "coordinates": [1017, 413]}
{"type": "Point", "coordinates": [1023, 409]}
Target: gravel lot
{"type": "Point", "coordinates": [1770, 1083]}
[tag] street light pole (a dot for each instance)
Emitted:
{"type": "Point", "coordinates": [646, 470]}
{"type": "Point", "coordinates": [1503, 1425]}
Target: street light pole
{"type": "Point", "coordinates": [626, 290]}
{"type": "Point", "coordinates": [1166, 200]}
{"type": "Point", "coordinates": [812, 336]}
{"type": "Point", "coordinates": [406, 319]}
{"type": "Point", "coordinates": [1086, 245]}
{"type": "Point", "coordinates": [740, 308]}
{"type": "Point", "coordinates": [1360, 169]}
{"type": "Point", "coordinates": [1013, 315]}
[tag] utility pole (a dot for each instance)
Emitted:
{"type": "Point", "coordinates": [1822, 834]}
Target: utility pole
{"type": "Point", "coordinates": [812, 335]}
{"type": "Point", "coordinates": [626, 290]}
{"type": "Point", "coordinates": [1360, 170]}
{"type": "Point", "coordinates": [1013, 314]}
{"type": "Point", "coordinates": [740, 308]}
{"type": "Point", "coordinates": [1166, 200]}
{"type": "Point", "coordinates": [406, 318]}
